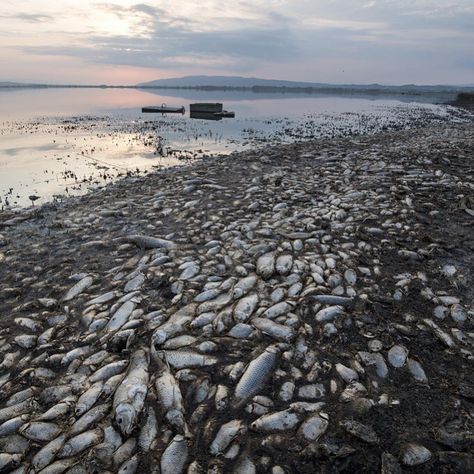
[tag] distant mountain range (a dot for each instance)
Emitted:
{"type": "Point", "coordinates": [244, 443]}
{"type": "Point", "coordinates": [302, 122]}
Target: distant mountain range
{"type": "Point", "coordinates": [253, 84]}
{"type": "Point", "coordinates": [224, 81]}
{"type": "Point", "coordinates": [10, 84]}
{"type": "Point", "coordinates": [238, 82]}
{"type": "Point", "coordinates": [20, 84]}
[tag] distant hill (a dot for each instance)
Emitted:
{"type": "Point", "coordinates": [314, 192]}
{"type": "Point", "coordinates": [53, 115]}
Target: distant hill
{"type": "Point", "coordinates": [238, 82]}
{"type": "Point", "coordinates": [223, 81]}
{"type": "Point", "coordinates": [20, 84]}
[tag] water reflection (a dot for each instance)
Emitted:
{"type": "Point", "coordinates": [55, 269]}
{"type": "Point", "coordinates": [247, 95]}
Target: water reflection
{"type": "Point", "coordinates": [205, 116]}
{"type": "Point", "coordinates": [56, 141]}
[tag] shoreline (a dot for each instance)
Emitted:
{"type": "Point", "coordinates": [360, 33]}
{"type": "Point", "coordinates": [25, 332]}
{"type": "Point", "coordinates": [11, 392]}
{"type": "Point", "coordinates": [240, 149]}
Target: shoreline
{"type": "Point", "coordinates": [362, 252]}
{"type": "Point", "coordinates": [83, 151]}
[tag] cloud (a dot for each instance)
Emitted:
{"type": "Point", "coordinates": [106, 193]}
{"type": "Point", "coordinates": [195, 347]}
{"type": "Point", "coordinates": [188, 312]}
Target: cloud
{"type": "Point", "coordinates": [246, 36]}
{"type": "Point", "coordinates": [28, 17]}
{"type": "Point", "coordinates": [170, 47]}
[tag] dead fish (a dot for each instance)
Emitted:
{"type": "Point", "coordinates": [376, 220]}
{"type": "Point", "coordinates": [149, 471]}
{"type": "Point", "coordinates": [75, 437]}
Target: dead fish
{"type": "Point", "coordinates": [280, 421]}
{"type": "Point", "coordinates": [245, 307]}
{"type": "Point", "coordinates": [12, 411]}
{"type": "Point", "coordinates": [283, 264]}
{"type": "Point", "coordinates": [13, 425]}
{"type": "Point", "coordinates": [347, 374]}
{"type": "Point", "coordinates": [87, 400]}
{"type": "Point", "coordinates": [108, 371]}
{"type": "Point", "coordinates": [130, 466]}
{"type": "Point", "coordinates": [75, 354]}
{"type": "Point", "coordinates": [148, 431]}
{"type": "Point", "coordinates": [243, 286]}
{"type": "Point", "coordinates": [124, 452]}
{"type": "Point", "coordinates": [40, 431]}
{"type": "Point", "coordinates": [105, 298]}
{"type": "Point", "coordinates": [189, 272]}
{"type": "Point", "coordinates": [413, 454]}
{"type": "Point", "coordinates": [328, 314]}
{"type": "Point", "coordinates": [47, 453]}
{"type": "Point", "coordinates": [130, 395]}
{"type": "Point", "coordinates": [120, 317]}
{"type": "Point", "coordinates": [279, 309]}
{"type": "Point", "coordinates": [59, 410]}
{"type": "Point", "coordinates": [146, 242]}
{"type": "Point", "coordinates": [443, 336]}
{"type": "Point", "coordinates": [256, 375]}
{"type": "Point", "coordinates": [226, 434]}
{"type": "Point", "coordinates": [78, 288]}
{"type": "Point", "coordinates": [81, 442]}
{"type": "Point", "coordinates": [314, 427]}
{"type": "Point", "coordinates": [9, 461]}
{"type": "Point", "coordinates": [89, 419]}
{"type": "Point", "coordinates": [208, 295]}
{"type": "Point", "coordinates": [175, 456]}
{"type": "Point", "coordinates": [169, 396]}
{"type": "Point", "coordinates": [21, 396]}
{"type": "Point", "coordinates": [182, 359]}
{"type": "Point", "coordinates": [333, 300]}
{"type": "Point", "coordinates": [266, 265]}
{"type": "Point", "coordinates": [397, 356]}
{"type": "Point", "coordinates": [277, 331]}
{"type": "Point", "coordinates": [363, 432]}
{"type": "Point", "coordinates": [417, 371]}
{"type": "Point", "coordinates": [174, 325]}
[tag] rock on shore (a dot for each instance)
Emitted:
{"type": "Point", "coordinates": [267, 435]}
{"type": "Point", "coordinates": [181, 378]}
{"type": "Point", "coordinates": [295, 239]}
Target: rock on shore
{"type": "Point", "coordinates": [308, 308]}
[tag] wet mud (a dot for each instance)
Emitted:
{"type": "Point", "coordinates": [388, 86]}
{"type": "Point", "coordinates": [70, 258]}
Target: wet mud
{"type": "Point", "coordinates": [300, 308]}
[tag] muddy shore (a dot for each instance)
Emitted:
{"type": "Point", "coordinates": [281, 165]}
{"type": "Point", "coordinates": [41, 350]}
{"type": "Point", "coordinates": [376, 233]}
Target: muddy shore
{"type": "Point", "coordinates": [367, 245]}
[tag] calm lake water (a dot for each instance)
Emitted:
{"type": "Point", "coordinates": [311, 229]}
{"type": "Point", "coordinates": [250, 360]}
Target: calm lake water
{"type": "Point", "coordinates": [55, 142]}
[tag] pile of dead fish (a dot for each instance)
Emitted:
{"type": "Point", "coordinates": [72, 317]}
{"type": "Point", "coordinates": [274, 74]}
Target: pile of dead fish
{"type": "Point", "coordinates": [272, 313]}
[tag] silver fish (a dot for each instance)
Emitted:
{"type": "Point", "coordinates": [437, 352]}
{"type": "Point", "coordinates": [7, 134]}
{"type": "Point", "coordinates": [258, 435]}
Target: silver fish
{"type": "Point", "coordinates": [242, 287]}
{"type": "Point", "coordinates": [146, 242]}
{"type": "Point", "coordinates": [226, 434]}
{"type": "Point", "coordinates": [78, 288]}
{"type": "Point", "coordinates": [266, 265]}
{"type": "Point", "coordinates": [279, 421]}
{"type": "Point", "coordinates": [130, 395]}
{"type": "Point", "coordinates": [245, 307]}
{"type": "Point", "coordinates": [89, 419]}
{"type": "Point", "coordinates": [169, 396]}
{"type": "Point", "coordinates": [40, 431]}
{"type": "Point", "coordinates": [120, 317]}
{"type": "Point", "coordinates": [175, 456]}
{"type": "Point", "coordinates": [256, 375]}
{"type": "Point", "coordinates": [182, 359]}
{"type": "Point", "coordinates": [48, 452]}
{"type": "Point", "coordinates": [81, 442]}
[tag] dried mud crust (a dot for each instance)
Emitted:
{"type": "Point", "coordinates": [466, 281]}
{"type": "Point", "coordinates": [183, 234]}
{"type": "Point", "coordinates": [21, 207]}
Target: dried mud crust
{"type": "Point", "coordinates": [43, 247]}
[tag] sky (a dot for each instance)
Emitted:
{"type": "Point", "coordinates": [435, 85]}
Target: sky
{"type": "Point", "coordinates": [334, 41]}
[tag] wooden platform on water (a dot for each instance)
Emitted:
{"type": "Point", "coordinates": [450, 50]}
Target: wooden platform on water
{"type": "Point", "coordinates": [163, 109]}
{"type": "Point", "coordinates": [206, 107]}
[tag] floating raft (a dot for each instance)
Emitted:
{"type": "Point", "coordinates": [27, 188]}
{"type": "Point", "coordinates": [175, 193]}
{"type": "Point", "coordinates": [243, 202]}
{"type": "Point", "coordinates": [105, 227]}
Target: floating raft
{"type": "Point", "coordinates": [206, 107]}
{"type": "Point", "coordinates": [163, 109]}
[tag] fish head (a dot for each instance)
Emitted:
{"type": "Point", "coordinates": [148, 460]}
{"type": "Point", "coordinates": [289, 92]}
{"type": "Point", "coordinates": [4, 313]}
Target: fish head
{"type": "Point", "coordinates": [125, 416]}
{"type": "Point", "coordinates": [175, 419]}
{"type": "Point", "coordinates": [159, 337]}
{"type": "Point", "coordinates": [237, 293]}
